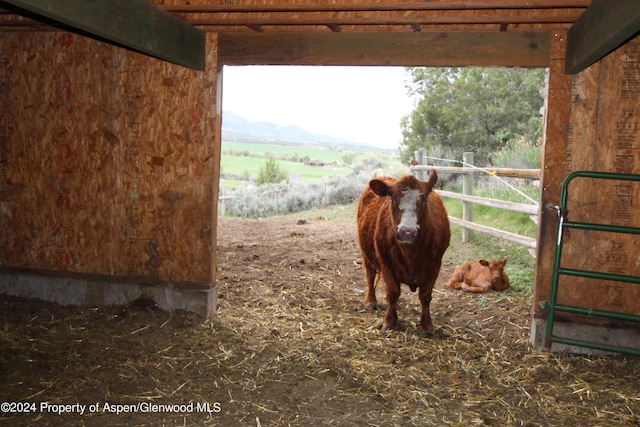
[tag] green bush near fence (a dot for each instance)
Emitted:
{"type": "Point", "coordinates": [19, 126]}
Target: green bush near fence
{"type": "Point", "coordinates": [518, 154]}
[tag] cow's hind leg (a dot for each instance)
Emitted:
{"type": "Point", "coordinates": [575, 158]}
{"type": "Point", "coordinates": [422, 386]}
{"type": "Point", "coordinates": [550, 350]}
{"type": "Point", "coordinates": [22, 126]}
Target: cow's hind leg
{"type": "Point", "coordinates": [478, 287]}
{"type": "Point", "coordinates": [456, 280]}
{"type": "Point", "coordinates": [455, 285]}
{"type": "Point", "coordinates": [370, 297]}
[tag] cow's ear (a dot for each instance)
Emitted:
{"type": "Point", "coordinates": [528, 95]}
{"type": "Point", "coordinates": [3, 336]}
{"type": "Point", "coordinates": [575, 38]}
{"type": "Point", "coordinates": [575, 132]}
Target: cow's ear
{"type": "Point", "coordinates": [433, 178]}
{"type": "Point", "coordinates": [484, 262]}
{"type": "Point", "coordinates": [379, 187]}
{"type": "Point", "coordinates": [504, 261]}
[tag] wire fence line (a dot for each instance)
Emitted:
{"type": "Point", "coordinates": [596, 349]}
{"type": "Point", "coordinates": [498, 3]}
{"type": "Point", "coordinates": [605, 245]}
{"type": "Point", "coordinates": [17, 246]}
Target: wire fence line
{"type": "Point", "coordinates": [469, 168]}
{"type": "Point", "coordinates": [420, 167]}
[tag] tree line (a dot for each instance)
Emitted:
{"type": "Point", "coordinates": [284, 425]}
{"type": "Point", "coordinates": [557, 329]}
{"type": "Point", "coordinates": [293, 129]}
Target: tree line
{"type": "Point", "coordinates": [473, 109]}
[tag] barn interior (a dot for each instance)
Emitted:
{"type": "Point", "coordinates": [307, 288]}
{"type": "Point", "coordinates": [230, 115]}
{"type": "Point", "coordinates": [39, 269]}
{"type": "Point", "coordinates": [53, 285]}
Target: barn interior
{"type": "Point", "coordinates": [111, 132]}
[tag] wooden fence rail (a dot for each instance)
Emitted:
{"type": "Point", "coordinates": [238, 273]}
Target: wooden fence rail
{"type": "Point", "coordinates": [494, 203]}
{"type": "Point", "coordinates": [468, 199]}
{"type": "Point", "coordinates": [532, 174]}
{"type": "Point", "coordinates": [529, 242]}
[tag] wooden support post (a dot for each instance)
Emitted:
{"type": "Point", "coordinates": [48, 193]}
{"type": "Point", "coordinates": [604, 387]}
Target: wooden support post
{"type": "Point", "coordinates": [467, 189]}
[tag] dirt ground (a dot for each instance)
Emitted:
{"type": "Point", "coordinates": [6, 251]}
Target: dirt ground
{"type": "Point", "coordinates": [293, 346]}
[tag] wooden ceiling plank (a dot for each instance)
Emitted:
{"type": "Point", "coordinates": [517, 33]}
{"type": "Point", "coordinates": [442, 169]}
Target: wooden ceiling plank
{"type": "Point", "coordinates": [603, 27]}
{"type": "Point", "coordinates": [134, 24]}
{"type": "Point", "coordinates": [399, 49]}
{"type": "Point", "coordinates": [388, 18]}
{"type": "Point", "coordinates": [377, 6]}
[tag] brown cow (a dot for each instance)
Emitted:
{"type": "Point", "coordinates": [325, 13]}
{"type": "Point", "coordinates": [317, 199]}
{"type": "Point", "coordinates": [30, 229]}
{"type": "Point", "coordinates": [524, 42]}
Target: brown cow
{"type": "Point", "coordinates": [403, 230]}
{"type": "Point", "coordinates": [481, 276]}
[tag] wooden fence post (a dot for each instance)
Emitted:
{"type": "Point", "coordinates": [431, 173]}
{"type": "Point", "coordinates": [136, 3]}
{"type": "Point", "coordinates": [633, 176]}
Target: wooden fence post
{"type": "Point", "coordinates": [424, 160]}
{"type": "Point", "coordinates": [420, 156]}
{"type": "Point", "coordinates": [467, 189]}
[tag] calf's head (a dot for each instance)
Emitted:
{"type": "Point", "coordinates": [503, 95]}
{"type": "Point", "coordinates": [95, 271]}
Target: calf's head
{"type": "Point", "coordinates": [409, 197]}
{"type": "Point", "coordinates": [496, 269]}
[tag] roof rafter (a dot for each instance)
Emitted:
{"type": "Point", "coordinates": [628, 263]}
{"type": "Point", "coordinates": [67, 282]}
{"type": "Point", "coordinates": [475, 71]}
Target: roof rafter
{"type": "Point", "coordinates": [135, 24]}
{"type": "Point", "coordinates": [602, 28]}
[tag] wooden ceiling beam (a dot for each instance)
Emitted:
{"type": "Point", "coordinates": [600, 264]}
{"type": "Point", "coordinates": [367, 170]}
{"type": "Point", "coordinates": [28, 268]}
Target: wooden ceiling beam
{"type": "Point", "coordinates": [601, 29]}
{"type": "Point", "coordinates": [452, 49]}
{"type": "Point", "coordinates": [378, 6]}
{"type": "Point", "coordinates": [134, 24]}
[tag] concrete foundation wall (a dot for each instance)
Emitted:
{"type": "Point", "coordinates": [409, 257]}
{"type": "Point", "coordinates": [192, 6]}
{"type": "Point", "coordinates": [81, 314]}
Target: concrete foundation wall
{"type": "Point", "coordinates": [92, 293]}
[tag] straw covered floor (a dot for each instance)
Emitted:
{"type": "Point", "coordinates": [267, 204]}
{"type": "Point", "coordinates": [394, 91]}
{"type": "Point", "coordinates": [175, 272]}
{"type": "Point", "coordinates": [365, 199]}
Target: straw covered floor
{"type": "Point", "coordinates": [294, 345]}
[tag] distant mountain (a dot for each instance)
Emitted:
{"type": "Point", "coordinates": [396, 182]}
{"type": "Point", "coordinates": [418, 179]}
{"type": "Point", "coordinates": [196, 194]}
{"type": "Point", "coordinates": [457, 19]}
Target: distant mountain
{"type": "Point", "coordinates": [235, 127]}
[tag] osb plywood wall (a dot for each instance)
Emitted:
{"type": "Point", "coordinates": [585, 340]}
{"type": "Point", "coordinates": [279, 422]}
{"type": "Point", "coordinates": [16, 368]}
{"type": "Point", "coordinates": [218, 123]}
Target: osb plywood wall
{"type": "Point", "coordinates": [107, 162]}
{"type": "Point", "coordinates": [601, 133]}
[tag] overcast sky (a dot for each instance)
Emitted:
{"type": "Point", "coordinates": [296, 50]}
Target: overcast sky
{"type": "Point", "coordinates": [362, 104]}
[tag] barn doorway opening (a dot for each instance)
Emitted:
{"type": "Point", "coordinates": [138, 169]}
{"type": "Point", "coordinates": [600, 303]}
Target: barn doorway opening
{"type": "Point", "coordinates": [289, 279]}
{"type": "Point", "coordinates": [322, 132]}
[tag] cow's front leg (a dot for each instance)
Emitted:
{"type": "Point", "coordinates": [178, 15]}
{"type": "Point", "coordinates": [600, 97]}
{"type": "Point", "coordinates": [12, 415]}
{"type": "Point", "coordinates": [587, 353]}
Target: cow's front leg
{"type": "Point", "coordinates": [370, 297]}
{"type": "Point", "coordinates": [391, 315]}
{"type": "Point", "coordinates": [424, 294]}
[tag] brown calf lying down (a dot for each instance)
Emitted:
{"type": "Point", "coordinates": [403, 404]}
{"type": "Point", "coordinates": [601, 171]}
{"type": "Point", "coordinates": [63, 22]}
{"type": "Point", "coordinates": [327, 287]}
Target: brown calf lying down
{"type": "Point", "coordinates": [481, 276]}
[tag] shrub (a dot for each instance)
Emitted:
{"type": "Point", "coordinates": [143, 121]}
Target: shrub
{"type": "Point", "coordinates": [519, 154]}
{"type": "Point", "coordinates": [271, 172]}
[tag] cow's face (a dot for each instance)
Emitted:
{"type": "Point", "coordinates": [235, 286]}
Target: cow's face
{"type": "Point", "coordinates": [409, 198]}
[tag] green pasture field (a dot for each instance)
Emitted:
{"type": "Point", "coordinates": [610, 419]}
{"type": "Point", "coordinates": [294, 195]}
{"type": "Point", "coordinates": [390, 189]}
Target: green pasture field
{"type": "Point", "coordinates": [323, 154]}
{"type": "Point", "coordinates": [251, 164]}
{"type": "Point", "coordinates": [240, 165]}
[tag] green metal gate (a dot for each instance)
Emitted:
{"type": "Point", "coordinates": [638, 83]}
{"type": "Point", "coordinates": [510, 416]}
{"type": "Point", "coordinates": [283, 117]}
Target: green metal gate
{"type": "Point", "coordinates": [552, 305]}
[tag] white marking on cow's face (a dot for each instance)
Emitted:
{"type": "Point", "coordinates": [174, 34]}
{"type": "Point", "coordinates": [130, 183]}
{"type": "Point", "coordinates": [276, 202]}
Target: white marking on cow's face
{"type": "Point", "coordinates": [408, 203]}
